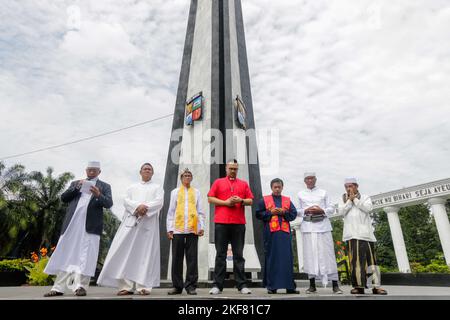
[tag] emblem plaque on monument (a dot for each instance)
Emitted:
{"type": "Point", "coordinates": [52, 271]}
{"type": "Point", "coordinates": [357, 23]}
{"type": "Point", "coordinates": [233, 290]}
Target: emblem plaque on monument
{"type": "Point", "coordinates": [241, 113]}
{"type": "Point", "coordinates": [194, 109]}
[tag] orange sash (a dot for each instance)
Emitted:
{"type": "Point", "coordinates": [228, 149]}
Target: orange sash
{"type": "Point", "coordinates": [274, 223]}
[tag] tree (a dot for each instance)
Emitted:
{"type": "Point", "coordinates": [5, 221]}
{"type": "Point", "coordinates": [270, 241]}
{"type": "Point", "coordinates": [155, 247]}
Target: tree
{"type": "Point", "coordinates": [13, 218]}
{"type": "Point", "coordinates": [384, 247]}
{"type": "Point", "coordinates": [45, 192]}
{"type": "Point", "coordinates": [420, 234]}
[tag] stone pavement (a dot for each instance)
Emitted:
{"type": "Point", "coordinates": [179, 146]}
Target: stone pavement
{"type": "Point", "coordinates": [100, 293]}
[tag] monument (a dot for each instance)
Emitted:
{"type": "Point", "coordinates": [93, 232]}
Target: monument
{"type": "Point", "coordinates": [213, 122]}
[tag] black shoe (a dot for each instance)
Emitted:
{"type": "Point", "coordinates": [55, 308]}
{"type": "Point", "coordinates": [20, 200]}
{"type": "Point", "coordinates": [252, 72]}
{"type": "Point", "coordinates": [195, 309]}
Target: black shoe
{"type": "Point", "coordinates": [311, 290]}
{"type": "Point", "coordinates": [80, 292]}
{"type": "Point", "coordinates": [270, 291]}
{"type": "Point", "coordinates": [337, 290]}
{"type": "Point", "coordinates": [174, 291]}
{"type": "Point", "coordinates": [191, 292]}
{"type": "Point", "coordinates": [292, 291]}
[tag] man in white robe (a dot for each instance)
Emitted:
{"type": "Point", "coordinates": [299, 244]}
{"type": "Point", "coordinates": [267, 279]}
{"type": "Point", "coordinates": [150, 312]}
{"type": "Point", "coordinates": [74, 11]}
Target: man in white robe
{"type": "Point", "coordinates": [75, 257]}
{"type": "Point", "coordinates": [318, 246]}
{"type": "Point", "coordinates": [133, 260]}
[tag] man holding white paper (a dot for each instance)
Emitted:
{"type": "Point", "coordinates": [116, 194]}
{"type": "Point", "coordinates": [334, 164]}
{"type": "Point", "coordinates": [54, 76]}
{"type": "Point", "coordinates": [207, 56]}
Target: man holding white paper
{"type": "Point", "coordinates": [133, 260]}
{"type": "Point", "coordinates": [75, 257]}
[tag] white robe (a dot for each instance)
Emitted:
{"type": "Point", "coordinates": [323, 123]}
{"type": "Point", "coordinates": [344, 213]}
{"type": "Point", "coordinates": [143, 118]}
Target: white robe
{"type": "Point", "coordinates": [318, 245]}
{"type": "Point", "coordinates": [77, 250]}
{"type": "Point", "coordinates": [135, 252]}
{"type": "Point", "coordinates": [314, 197]}
{"type": "Point", "coordinates": [357, 219]}
{"type": "Point", "coordinates": [318, 256]}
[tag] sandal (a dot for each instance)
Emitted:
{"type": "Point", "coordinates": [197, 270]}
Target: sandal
{"type": "Point", "coordinates": [124, 293]}
{"type": "Point", "coordinates": [379, 291]}
{"type": "Point", "coordinates": [144, 292]}
{"type": "Point", "coordinates": [53, 293]}
{"type": "Point", "coordinates": [357, 291]}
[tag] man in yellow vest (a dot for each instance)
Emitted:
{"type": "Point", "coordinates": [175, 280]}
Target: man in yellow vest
{"type": "Point", "coordinates": [185, 223]}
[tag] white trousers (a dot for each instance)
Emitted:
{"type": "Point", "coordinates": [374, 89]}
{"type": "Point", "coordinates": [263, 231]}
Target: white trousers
{"type": "Point", "coordinates": [129, 285]}
{"type": "Point", "coordinates": [71, 281]}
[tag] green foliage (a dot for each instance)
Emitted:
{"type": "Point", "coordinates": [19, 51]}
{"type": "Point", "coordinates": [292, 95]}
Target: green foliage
{"type": "Point", "coordinates": [15, 265]}
{"type": "Point", "coordinates": [341, 251]}
{"type": "Point", "coordinates": [384, 269]}
{"type": "Point", "coordinates": [36, 276]}
{"type": "Point", "coordinates": [437, 265]}
{"type": "Point", "coordinates": [31, 211]}
{"type": "Point", "coordinates": [338, 227]}
{"type": "Point", "coordinates": [419, 232]}
{"type": "Point", "coordinates": [384, 248]}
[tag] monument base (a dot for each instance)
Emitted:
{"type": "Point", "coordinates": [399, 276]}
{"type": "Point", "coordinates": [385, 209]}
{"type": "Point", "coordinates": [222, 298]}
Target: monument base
{"type": "Point", "coordinates": [252, 264]}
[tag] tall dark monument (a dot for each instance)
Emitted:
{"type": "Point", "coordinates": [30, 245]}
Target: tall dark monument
{"type": "Point", "coordinates": [213, 122]}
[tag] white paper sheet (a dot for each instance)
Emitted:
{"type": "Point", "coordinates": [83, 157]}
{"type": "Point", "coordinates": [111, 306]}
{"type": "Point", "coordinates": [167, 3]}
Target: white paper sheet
{"type": "Point", "coordinates": [86, 186]}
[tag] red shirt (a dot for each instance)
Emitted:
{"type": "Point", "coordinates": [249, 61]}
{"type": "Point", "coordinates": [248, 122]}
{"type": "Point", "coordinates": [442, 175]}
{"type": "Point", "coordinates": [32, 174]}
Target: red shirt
{"type": "Point", "coordinates": [225, 188]}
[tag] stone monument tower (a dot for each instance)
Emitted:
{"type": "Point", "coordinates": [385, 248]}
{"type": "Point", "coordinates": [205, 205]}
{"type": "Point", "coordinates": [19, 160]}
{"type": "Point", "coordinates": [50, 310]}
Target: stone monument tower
{"type": "Point", "coordinates": [213, 122]}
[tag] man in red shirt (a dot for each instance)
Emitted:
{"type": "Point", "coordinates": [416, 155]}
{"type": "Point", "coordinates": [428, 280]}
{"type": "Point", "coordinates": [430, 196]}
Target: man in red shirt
{"type": "Point", "coordinates": [230, 195]}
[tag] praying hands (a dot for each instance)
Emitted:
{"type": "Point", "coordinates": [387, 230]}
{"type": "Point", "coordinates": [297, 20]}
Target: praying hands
{"type": "Point", "coordinates": [141, 210]}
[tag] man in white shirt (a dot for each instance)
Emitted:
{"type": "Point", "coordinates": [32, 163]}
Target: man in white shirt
{"type": "Point", "coordinates": [185, 223]}
{"type": "Point", "coordinates": [318, 246]}
{"type": "Point", "coordinates": [358, 233]}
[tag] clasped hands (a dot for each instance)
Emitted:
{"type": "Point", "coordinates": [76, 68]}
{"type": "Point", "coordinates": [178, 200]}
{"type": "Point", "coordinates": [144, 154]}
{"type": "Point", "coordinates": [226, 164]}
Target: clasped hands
{"type": "Point", "coordinates": [277, 211]}
{"type": "Point", "coordinates": [351, 195]}
{"type": "Point", "coordinates": [141, 210]}
{"type": "Point", "coordinates": [232, 201]}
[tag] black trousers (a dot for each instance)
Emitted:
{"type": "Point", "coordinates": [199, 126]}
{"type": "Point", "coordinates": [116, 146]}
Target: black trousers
{"type": "Point", "coordinates": [185, 244]}
{"type": "Point", "coordinates": [363, 263]}
{"type": "Point", "coordinates": [223, 235]}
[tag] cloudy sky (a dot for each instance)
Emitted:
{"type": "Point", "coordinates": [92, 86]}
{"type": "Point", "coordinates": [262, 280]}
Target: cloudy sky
{"type": "Point", "coordinates": [356, 87]}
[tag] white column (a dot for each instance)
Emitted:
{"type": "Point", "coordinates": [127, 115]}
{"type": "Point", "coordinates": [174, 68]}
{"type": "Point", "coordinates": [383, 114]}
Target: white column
{"type": "Point", "coordinates": [437, 208]}
{"type": "Point", "coordinates": [298, 236]}
{"type": "Point", "coordinates": [397, 239]}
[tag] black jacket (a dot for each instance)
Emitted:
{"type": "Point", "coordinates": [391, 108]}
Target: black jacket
{"type": "Point", "coordinates": [94, 218]}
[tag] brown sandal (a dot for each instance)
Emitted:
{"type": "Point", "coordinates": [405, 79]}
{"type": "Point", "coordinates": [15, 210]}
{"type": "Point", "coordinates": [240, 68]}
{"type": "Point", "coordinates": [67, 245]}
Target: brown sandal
{"type": "Point", "coordinates": [124, 293]}
{"type": "Point", "coordinates": [53, 293]}
{"type": "Point", "coordinates": [357, 291]}
{"type": "Point", "coordinates": [379, 291]}
{"type": "Point", "coordinates": [144, 292]}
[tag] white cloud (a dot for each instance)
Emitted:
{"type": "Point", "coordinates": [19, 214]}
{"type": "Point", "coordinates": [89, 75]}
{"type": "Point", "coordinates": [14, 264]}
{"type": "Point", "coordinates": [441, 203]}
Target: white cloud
{"type": "Point", "coordinates": [355, 88]}
{"type": "Point", "coordinates": [99, 40]}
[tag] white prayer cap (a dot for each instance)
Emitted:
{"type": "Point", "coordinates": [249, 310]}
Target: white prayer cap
{"type": "Point", "coordinates": [309, 174]}
{"type": "Point", "coordinates": [93, 164]}
{"type": "Point", "coordinates": [350, 180]}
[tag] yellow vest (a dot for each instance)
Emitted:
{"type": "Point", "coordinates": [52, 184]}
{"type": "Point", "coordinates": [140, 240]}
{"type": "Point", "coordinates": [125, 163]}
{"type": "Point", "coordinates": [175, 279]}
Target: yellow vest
{"type": "Point", "coordinates": [192, 211]}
